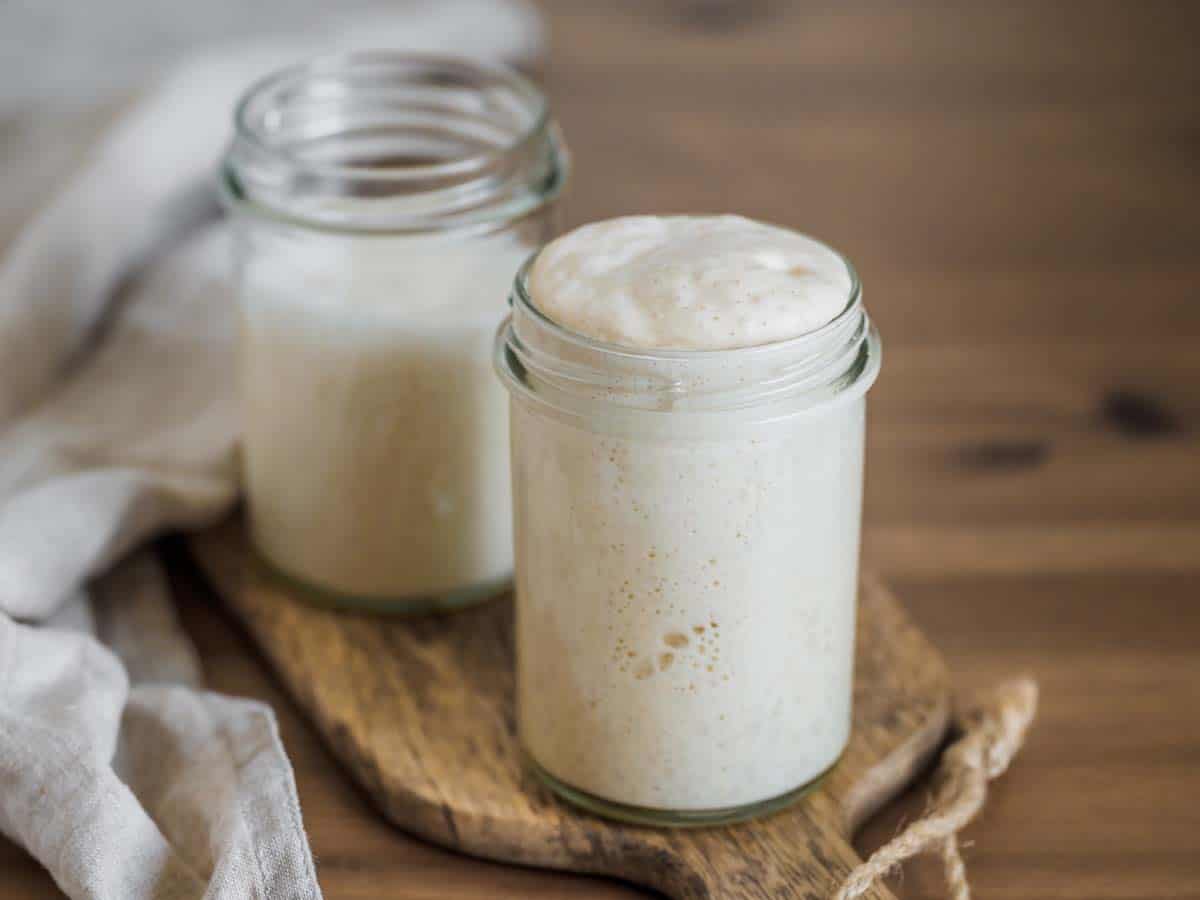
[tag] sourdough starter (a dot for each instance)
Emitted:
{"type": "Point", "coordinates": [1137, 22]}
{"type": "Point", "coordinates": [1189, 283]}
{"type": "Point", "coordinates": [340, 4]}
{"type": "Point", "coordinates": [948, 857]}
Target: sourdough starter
{"type": "Point", "coordinates": [376, 436]}
{"type": "Point", "coordinates": [686, 595]}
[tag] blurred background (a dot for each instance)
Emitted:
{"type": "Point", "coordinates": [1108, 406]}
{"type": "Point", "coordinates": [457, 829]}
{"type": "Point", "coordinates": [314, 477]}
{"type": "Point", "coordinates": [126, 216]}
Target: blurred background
{"type": "Point", "coordinates": [1018, 184]}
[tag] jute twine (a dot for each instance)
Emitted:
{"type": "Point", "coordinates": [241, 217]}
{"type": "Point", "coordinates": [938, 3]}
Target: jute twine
{"type": "Point", "coordinates": [992, 730]}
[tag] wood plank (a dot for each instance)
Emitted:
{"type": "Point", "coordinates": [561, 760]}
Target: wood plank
{"type": "Point", "coordinates": [907, 550]}
{"type": "Point", "coordinates": [1101, 803]}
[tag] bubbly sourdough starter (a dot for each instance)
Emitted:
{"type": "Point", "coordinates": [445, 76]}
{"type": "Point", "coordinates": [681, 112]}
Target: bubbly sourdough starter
{"type": "Point", "coordinates": [688, 282]}
{"type": "Point", "coordinates": [376, 436]}
{"type": "Point", "coordinates": [686, 601]}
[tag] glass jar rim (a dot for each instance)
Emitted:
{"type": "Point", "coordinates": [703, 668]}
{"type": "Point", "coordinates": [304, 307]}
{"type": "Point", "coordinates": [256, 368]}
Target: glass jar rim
{"type": "Point", "coordinates": [517, 175]}
{"type": "Point", "coordinates": [521, 294]}
{"type": "Point", "coordinates": [555, 366]}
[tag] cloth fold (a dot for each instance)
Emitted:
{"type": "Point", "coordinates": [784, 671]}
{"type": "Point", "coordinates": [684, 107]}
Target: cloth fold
{"type": "Point", "coordinates": [118, 421]}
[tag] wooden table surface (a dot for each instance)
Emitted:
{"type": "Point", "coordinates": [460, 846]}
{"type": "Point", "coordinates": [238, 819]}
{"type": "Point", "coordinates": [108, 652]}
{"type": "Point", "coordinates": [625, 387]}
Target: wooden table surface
{"type": "Point", "coordinates": [1019, 186]}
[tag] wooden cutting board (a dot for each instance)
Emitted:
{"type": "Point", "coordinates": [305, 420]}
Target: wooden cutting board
{"type": "Point", "coordinates": [421, 712]}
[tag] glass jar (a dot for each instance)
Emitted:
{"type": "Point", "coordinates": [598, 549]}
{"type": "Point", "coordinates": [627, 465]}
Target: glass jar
{"type": "Point", "coordinates": [687, 534]}
{"type": "Point", "coordinates": [382, 203]}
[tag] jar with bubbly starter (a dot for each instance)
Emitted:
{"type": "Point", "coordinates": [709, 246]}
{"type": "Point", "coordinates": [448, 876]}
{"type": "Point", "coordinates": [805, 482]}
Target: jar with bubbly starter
{"type": "Point", "coordinates": [382, 203]}
{"type": "Point", "coordinates": [687, 471]}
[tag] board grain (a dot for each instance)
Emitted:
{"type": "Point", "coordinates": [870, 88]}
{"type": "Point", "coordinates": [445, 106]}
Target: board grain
{"type": "Point", "coordinates": [420, 709]}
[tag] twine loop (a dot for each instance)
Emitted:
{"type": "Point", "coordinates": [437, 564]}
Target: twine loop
{"type": "Point", "coordinates": [992, 731]}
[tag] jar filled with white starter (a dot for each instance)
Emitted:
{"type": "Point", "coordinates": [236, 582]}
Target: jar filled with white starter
{"type": "Point", "coordinates": [688, 407]}
{"type": "Point", "coordinates": [382, 203]}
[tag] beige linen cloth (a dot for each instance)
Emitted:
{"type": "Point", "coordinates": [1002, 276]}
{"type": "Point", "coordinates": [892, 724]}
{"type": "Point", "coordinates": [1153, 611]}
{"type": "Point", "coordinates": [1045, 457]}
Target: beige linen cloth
{"type": "Point", "coordinates": [118, 771]}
